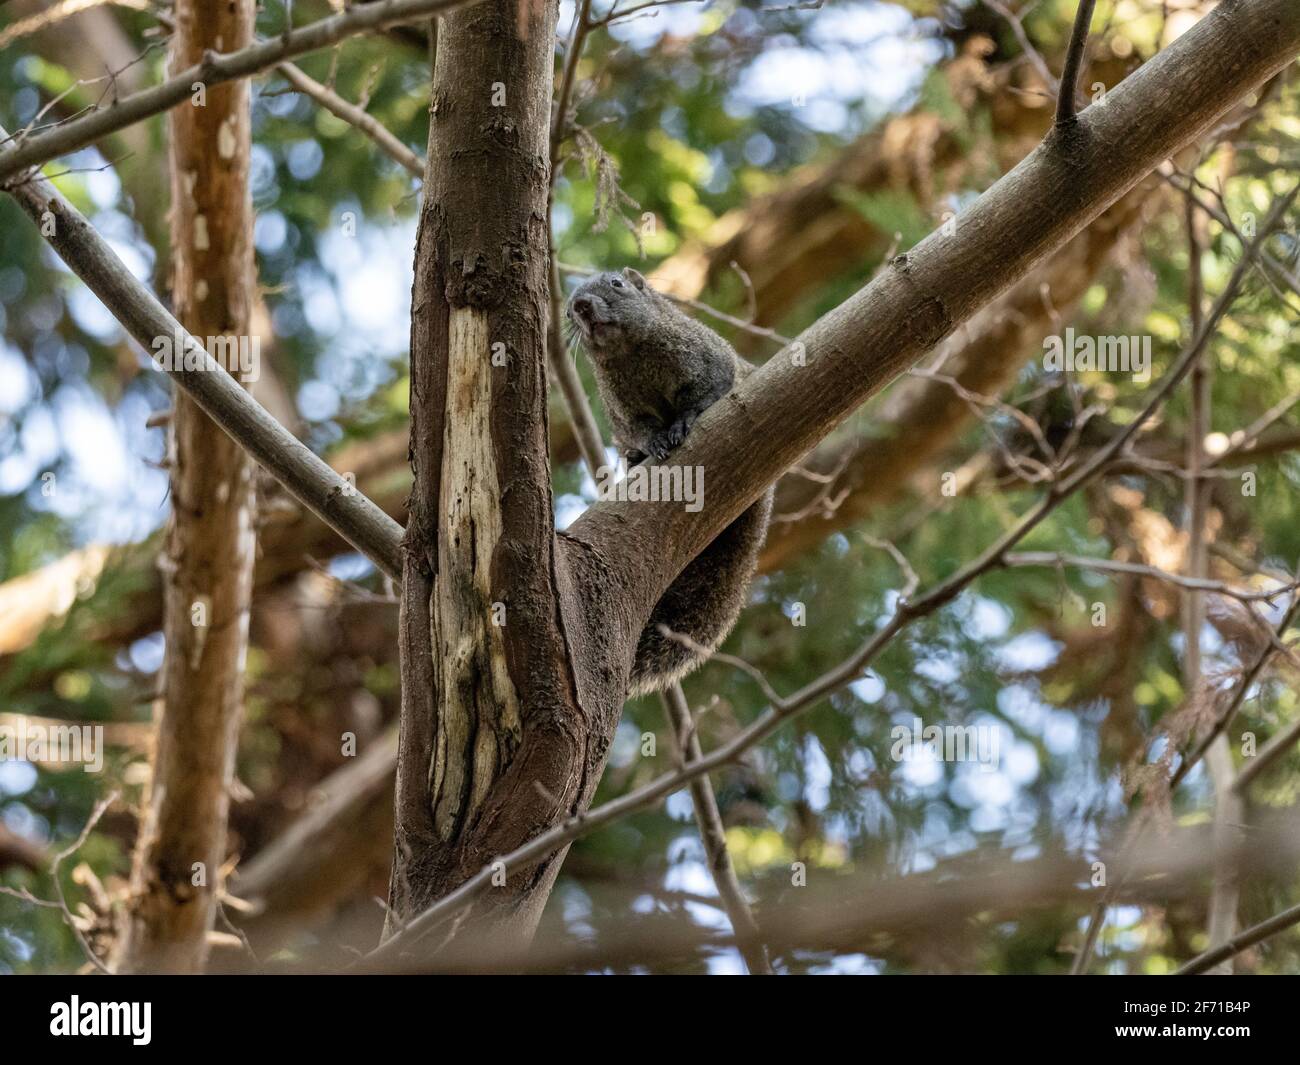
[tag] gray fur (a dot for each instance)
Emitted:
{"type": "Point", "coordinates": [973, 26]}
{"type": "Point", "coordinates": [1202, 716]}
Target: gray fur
{"type": "Point", "coordinates": [657, 371]}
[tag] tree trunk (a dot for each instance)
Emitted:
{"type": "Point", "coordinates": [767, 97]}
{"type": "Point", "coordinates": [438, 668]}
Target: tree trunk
{"type": "Point", "coordinates": [516, 644]}
{"type": "Point", "coordinates": [481, 634]}
{"type": "Point", "coordinates": [505, 729]}
{"type": "Point", "coordinates": [208, 561]}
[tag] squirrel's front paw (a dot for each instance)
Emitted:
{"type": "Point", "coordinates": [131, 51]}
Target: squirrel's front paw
{"type": "Point", "coordinates": [663, 442]}
{"type": "Point", "coordinates": [634, 457]}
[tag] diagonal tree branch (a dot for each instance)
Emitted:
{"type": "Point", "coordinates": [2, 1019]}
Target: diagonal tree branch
{"type": "Point", "coordinates": [353, 115]}
{"type": "Point", "coordinates": [1236, 944]}
{"type": "Point", "coordinates": [301, 471]}
{"type": "Point", "coordinates": [910, 428]}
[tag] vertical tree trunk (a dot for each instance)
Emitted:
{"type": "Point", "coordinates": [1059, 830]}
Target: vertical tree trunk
{"type": "Point", "coordinates": [208, 562]}
{"type": "Point", "coordinates": [491, 730]}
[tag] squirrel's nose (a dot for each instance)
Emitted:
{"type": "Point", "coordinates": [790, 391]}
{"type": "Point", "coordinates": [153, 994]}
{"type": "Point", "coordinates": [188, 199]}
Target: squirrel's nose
{"type": "Point", "coordinates": [582, 307]}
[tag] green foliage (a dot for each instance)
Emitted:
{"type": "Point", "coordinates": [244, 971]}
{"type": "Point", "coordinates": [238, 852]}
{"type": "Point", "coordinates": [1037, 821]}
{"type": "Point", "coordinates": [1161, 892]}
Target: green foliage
{"type": "Point", "coordinates": [663, 107]}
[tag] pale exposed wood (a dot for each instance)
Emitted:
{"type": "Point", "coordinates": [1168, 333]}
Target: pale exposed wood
{"type": "Point", "coordinates": [477, 732]}
{"type": "Point", "coordinates": [482, 634]}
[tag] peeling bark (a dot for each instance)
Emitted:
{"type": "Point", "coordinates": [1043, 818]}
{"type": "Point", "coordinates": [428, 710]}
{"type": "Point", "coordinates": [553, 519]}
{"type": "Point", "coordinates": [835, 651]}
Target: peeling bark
{"type": "Point", "coordinates": [482, 633]}
{"type": "Point", "coordinates": [210, 540]}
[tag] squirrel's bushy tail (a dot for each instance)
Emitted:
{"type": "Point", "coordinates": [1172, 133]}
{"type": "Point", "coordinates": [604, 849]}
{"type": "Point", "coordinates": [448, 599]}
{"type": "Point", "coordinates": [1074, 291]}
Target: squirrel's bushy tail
{"type": "Point", "coordinates": [703, 603]}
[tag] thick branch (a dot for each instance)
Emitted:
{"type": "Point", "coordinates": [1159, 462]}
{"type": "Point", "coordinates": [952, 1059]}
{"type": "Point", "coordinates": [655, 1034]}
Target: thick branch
{"type": "Point", "coordinates": [912, 426]}
{"type": "Point", "coordinates": [851, 353]}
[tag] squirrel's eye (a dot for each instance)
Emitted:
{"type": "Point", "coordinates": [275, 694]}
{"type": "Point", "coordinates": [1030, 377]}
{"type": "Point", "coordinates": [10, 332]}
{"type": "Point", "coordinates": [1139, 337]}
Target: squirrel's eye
{"type": "Point", "coordinates": [616, 282]}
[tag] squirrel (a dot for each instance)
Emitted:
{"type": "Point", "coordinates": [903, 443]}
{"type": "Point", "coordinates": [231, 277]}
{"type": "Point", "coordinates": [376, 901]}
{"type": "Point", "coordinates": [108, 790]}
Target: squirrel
{"type": "Point", "coordinates": [657, 370]}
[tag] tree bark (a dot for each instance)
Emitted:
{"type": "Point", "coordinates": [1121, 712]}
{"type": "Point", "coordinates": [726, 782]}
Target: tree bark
{"type": "Point", "coordinates": [210, 541]}
{"type": "Point", "coordinates": [481, 629]}
{"type": "Point", "coordinates": [615, 561]}
{"type": "Point", "coordinates": [910, 429]}
{"type": "Point", "coordinates": [506, 756]}
{"type": "Point", "coordinates": [789, 242]}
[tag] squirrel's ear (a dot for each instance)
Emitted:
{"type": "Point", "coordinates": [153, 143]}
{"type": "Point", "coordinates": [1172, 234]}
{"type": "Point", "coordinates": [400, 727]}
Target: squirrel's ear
{"type": "Point", "coordinates": [635, 278]}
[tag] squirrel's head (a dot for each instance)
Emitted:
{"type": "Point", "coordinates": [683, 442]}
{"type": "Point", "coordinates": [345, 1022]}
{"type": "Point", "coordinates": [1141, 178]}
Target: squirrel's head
{"type": "Point", "coordinates": [608, 308]}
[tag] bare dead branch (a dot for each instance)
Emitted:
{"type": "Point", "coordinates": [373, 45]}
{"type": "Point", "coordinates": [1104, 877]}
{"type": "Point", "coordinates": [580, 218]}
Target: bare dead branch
{"type": "Point", "coordinates": [1109, 565]}
{"type": "Point", "coordinates": [63, 856]}
{"type": "Point", "coordinates": [1026, 45]}
{"type": "Point", "coordinates": [714, 837]}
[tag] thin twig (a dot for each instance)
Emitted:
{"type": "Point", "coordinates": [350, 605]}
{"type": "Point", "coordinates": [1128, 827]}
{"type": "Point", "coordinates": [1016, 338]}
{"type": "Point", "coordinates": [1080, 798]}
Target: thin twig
{"type": "Point", "coordinates": [714, 837]}
{"type": "Point", "coordinates": [1031, 53]}
{"type": "Point", "coordinates": [1108, 565]}
{"type": "Point", "coordinates": [215, 69]}
{"type": "Point", "coordinates": [355, 116]}
{"type": "Point", "coordinates": [1065, 108]}
{"type": "Point", "coordinates": [58, 860]}
{"type": "Point", "coordinates": [1239, 696]}
{"type": "Point", "coordinates": [1274, 749]}
{"type": "Point", "coordinates": [1234, 946]}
